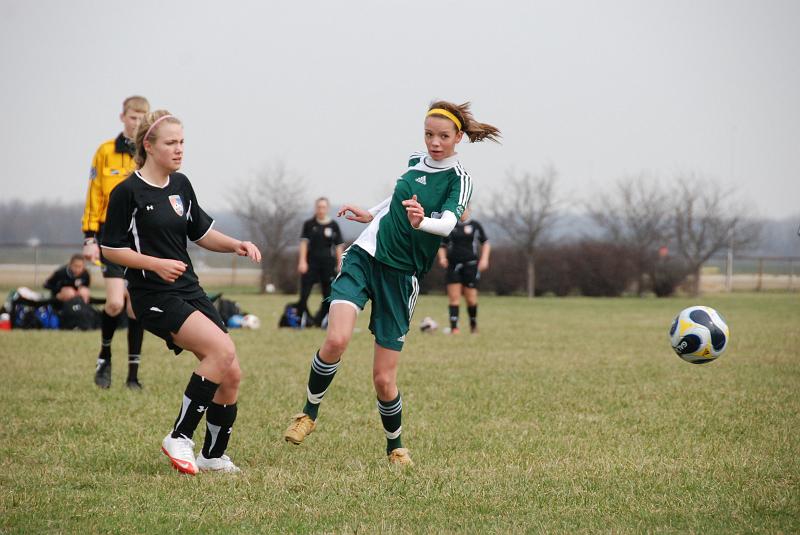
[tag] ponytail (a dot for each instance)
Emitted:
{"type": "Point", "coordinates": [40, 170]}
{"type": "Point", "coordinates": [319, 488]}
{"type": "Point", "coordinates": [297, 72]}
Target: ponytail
{"type": "Point", "coordinates": [474, 130]}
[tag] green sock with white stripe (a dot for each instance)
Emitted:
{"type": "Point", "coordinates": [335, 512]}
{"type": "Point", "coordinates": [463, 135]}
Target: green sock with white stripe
{"type": "Point", "coordinates": [319, 379]}
{"type": "Point", "coordinates": [391, 417]}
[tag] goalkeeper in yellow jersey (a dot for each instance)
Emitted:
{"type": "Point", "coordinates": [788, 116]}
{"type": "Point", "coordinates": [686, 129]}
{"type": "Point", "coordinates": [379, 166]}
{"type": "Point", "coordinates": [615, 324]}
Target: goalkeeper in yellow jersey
{"type": "Point", "coordinates": [112, 164]}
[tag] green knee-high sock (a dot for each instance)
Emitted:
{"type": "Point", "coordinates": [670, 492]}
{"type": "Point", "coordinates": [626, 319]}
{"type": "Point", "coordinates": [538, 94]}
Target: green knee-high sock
{"type": "Point", "coordinates": [319, 379]}
{"type": "Point", "coordinates": [391, 417]}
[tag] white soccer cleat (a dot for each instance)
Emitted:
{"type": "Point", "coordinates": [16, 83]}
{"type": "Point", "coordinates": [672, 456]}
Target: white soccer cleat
{"type": "Point", "coordinates": [217, 464]}
{"type": "Point", "coordinates": [181, 453]}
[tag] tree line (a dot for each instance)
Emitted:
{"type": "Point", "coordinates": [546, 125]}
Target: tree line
{"type": "Point", "coordinates": [644, 234]}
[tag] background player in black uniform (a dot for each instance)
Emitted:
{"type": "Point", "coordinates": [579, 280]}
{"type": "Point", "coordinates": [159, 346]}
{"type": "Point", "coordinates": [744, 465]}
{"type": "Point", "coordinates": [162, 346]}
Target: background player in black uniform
{"type": "Point", "coordinates": [70, 281]}
{"type": "Point", "coordinates": [465, 254]}
{"type": "Point", "coordinates": [321, 247]}
{"type": "Point", "coordinates": [151, 215]}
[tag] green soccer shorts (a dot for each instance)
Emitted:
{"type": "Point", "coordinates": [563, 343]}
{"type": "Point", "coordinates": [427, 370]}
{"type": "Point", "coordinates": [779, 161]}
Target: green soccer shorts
{"type": "Point", "coordinates": [393, 294]}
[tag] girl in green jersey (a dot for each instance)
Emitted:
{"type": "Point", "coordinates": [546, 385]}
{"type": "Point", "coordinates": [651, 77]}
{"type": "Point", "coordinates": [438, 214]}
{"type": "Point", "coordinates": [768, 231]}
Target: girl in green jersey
{"type": "Point", "coordinates": [386, 261]}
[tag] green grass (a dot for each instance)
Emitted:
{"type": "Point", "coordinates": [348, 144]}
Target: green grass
{"type": "Point", "coordinates": [563, 415]}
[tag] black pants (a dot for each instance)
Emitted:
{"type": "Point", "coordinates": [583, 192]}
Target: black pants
{"type": "Point", "coordinates": [322, 273]}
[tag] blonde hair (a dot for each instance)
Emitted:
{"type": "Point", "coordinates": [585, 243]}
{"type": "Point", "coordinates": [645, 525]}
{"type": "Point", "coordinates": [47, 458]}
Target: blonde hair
{"type": "Point", "coordinates": [144, 130]}
{"type": "Point", "coordinates": [135, 103]}
{"type": "Point", "coordinates": [475, 131]}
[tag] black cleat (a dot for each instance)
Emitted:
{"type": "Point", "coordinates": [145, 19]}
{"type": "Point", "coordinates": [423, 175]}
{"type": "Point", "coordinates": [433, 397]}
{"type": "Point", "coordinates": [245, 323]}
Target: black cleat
{"type": "Point", "coordinates": [102, 375]}
{"type": "Point", "coordinates": [133, 384]}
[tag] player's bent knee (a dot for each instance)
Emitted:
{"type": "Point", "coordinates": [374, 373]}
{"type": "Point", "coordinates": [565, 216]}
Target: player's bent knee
{"type": "Point", "coordinates": [232, 378]}
{"type": "Point", "coordinates": [336, 343]}
{"type": "Point", "coordinates": [114, 308]}
{"type": "Point", "coordinates": [384, 383]}
{"type": "Point", "coordinates": [226, 354]}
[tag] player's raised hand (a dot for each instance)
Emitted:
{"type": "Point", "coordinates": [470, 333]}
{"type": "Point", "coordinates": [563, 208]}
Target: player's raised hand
{"type": "Point", "coordinates": [356, 213]}
{"type": "Point", "coordinates": [248, 249]}
{"type": "Point", "coordinates": [168, 269]}
{"type": "Point", "coordinates": [414, 211]}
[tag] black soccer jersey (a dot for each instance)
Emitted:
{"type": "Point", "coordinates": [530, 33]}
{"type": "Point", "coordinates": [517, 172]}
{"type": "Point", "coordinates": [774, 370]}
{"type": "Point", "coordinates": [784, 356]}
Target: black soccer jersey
{"type": "Point", "coordinates": [63, 277]}
{"type": "Point", "coordinates": [464, 241]}
{"type": "Point", "coordinates": [156, 221]}
{"type": "Point", "coordinates": [322, 239]}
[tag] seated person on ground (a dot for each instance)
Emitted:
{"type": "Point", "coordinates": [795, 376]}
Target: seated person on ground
{"type": "Point", "coordinates": [70, 281]}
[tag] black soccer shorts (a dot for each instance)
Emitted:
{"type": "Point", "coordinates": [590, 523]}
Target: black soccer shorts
{"type": "Point", "coordinates": [164, 313]}
{"type": "Point", "coordinates": [465, 273]}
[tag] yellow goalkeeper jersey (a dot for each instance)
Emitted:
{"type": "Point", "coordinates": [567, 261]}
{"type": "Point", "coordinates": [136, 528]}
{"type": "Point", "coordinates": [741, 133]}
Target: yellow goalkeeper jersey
{"type": "Point", "coordinates": [112, 164]}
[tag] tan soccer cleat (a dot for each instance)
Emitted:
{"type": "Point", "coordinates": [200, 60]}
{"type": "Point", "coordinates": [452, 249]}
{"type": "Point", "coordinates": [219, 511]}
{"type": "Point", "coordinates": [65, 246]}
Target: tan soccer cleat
{"type": "Point", "coordinates": [400, 457]}
{"type": "Point", "coordinates": [302, 425]}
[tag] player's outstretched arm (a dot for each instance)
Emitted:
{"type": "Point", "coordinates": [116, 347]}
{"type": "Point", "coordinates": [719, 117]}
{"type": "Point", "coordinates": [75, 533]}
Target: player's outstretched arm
{"type": "Point", "coordinates": [355, 213]}
{"type": "Point", "coordinates": [166, 268]}
{"type": "Point", "coordinates": [221, 243]}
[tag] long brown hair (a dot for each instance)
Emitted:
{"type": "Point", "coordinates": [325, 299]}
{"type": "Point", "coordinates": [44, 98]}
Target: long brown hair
{"type": "Point", "coordinates": [141, 155]}
{"type": "Point", "coordinates": [475, 130]}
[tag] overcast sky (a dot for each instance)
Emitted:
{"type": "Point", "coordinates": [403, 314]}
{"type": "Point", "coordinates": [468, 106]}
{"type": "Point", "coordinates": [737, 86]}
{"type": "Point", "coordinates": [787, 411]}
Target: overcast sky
{"type": "Point", "coordinates": [338, 90]}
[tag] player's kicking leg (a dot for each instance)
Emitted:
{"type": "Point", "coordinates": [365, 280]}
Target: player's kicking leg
{"type": "Point", "coordinates": [341, 322]}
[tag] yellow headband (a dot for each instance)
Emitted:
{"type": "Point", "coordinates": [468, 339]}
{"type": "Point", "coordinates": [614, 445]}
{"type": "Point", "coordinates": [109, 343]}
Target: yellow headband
{"type": "Point", "coordinates": [440, 111]}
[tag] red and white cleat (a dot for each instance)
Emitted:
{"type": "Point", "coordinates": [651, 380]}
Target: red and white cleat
{"type": "Point", "coordinates": [181, 454]}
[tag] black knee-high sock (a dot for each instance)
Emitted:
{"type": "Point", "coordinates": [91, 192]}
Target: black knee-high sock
{"type": "Point", "coordinates": [199, 393]}
{"type": "Point", "coordinates": [391, 417]}
{"type": "Point", "coordinates": [219, 425]}
{"type": "Point", "coordinates": [108, 324]}
{"type": "Point", "coordinates": [319, 379]}
{"type": "Point", "coordinates": [135, 336]}
{"type": "Point", "coordinates": [473, 316]}
{"type": "Point", "coordinates": [453, 316]}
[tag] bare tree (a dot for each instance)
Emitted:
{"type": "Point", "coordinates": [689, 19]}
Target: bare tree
{"type": "Point", "coordinates": [524, 209]}
{"type": "Point", "coordinates": [636, 216]}
{"type": "Point", "coordinates": [706, 220]}
{"type": "Point", "coordinates": [270, 205]}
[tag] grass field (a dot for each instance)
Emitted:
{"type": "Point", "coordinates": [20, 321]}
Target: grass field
{"type": "Point", "coordinates": [563, 415]}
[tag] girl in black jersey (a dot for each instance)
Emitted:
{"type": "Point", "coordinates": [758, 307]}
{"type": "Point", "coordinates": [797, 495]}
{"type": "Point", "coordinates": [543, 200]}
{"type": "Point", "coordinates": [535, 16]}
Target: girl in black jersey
{"type": "Point", "coordinates": [320, 253]}
{"type": "Point", "coordinates": [150, 216]}
{"type": "Point", "coordinates": [464, 254]}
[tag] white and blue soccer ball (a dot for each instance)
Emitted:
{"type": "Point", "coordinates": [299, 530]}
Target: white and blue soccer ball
{"type": "Point", "coordinates": [699, 334]}
{"type": "Point", "coordinates": [428, 325]}
{"type": "Point", "coordinates": [251, 321]}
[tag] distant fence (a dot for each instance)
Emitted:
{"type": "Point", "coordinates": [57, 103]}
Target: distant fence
{"type": "Point", "coordinates": [30, 264]}
{"type": "Point", "coordinates": [753, 273]}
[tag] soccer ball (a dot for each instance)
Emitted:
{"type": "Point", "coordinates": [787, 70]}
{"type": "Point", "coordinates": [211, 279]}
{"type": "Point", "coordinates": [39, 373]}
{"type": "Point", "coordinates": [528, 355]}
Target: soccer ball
{"type": "Point", "coordinates": [251, 321]}
{"type": "Point", "coordinates": [699, 334]}
{"type": "Point", "coordinates": [428, 325]}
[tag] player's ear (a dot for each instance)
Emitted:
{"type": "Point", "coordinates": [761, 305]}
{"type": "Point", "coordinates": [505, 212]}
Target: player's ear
{"type": "Point", "coordinates": [459, 136]}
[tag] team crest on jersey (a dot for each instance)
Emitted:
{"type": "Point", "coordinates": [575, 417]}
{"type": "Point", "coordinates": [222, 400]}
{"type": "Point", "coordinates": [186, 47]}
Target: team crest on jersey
{"type": "Point", "coordinates": [327, 232]}
{"type": "Point", "coordinates": [467, 229]}
{"type": "Point", "coordinates": [177, 204]}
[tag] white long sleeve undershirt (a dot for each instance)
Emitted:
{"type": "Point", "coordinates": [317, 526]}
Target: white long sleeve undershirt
{"type": "Point", "coordinates": [380, 206]}
{"type": "Point", "coordinates": [442, 226]}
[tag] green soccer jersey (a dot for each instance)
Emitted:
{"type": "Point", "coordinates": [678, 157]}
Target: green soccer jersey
{"type": "Point", "coordinates": [439, 186]}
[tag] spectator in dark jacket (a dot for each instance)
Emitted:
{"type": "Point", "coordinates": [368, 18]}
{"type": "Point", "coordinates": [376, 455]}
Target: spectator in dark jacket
{"type": "Point", "coordinates": [70, 281]}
